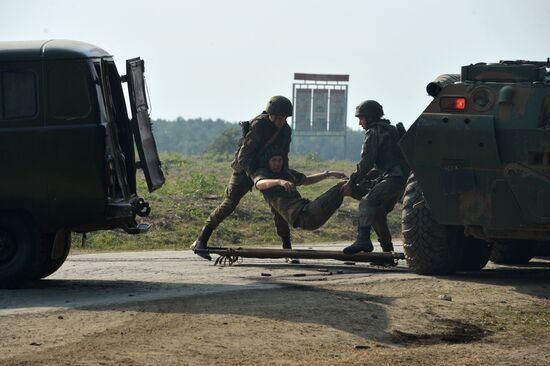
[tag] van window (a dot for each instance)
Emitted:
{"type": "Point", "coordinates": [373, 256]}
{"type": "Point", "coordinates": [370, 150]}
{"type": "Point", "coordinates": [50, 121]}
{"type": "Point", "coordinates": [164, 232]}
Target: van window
{"type": "Point", "coordinates": [68, 91]}
{"type": "Point", "coordinates": [17, 94]}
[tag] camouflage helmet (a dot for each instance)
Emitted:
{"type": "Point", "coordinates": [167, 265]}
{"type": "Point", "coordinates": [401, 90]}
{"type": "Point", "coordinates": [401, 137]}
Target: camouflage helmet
{"type": "Point", "coordinates": [279, 106]}
{"type": "Point", "coordinates": [369, 108]}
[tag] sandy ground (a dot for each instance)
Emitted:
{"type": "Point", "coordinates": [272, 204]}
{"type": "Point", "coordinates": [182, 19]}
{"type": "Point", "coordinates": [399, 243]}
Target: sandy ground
{"type": "Point", "coordinates": [163, 308]}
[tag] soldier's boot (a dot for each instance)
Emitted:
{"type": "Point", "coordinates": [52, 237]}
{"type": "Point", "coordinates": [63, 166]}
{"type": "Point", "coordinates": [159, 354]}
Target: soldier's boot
{"type": "Point", "coordinates": [202, 243]}
{"type": "Point", "coordinates": [387, 247]}
{"type": "Point", "coordinates": [362, 243]}
{"type": "Point", "coordinates": [288, 245]}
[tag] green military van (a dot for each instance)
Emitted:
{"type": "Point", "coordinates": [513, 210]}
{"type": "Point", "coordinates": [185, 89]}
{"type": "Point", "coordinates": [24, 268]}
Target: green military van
{"type": "Point", "coordinates": [67, 151]}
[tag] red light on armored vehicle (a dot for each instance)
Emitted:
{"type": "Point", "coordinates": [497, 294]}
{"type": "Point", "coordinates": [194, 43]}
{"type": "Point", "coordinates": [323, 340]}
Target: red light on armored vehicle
{"type": "Point", "coordinates": [453, 103]}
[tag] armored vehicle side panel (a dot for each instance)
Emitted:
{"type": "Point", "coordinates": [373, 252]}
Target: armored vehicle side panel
{"type": "Point", "coordinates": [481, 152]}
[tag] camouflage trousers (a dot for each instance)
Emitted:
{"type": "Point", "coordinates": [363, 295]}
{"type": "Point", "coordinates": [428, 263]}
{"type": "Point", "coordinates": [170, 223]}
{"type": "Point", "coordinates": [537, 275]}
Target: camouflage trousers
{"type": "Point", "coordinates": [378, 203]}
{"type": "Point", "coordinates": [315, 213]}
{"type": "Point", "coordinates": [239, 185]}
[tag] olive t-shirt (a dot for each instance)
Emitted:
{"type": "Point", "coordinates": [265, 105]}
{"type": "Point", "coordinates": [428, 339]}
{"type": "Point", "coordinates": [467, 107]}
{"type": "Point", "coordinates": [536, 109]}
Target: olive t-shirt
{"type": "Point", "coordinates": [287, 204]}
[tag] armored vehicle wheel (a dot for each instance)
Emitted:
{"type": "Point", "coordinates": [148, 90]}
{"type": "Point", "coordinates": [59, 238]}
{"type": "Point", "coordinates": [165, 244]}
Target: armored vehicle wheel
{"type": "Point", "coordinates": [475, 254]}
{"type": "Point", "coordinates": [513, 252]}
{"type": "Point", "coordinates": [430, 248]}
{"type": "Point", "coordinates": [51, 259]}
{"type": "Point", "coordinates": [18, 250]}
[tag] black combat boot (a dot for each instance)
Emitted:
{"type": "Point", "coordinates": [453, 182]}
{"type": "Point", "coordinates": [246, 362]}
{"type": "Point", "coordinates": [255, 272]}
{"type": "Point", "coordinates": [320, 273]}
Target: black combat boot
{"type": "Point", "coordinates": [286, 242]}
{"type": "Point", "coordinates": [362, 243]}
{"type": "Point", "coordinates": [202, 243]}
{"type": "Point", "coordinates": [387, 247]}
{"type": "Point", "coordinates": [288, 245]}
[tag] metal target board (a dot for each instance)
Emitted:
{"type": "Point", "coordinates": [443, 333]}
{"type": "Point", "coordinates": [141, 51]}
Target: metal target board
{"type": "Point", "coordinates": [320, 109]}
{"type": "Point", "coordinates": [302, 115]}
{"type": "Point", "coordinates": [338, 108]}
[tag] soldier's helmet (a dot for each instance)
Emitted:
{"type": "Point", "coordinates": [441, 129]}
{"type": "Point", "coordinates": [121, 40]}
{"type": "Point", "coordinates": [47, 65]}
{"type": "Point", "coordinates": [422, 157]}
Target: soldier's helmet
{"type": "Point", "coordinates": [279, 106]}
{"type": "Point", "coordinates": [369, 108]}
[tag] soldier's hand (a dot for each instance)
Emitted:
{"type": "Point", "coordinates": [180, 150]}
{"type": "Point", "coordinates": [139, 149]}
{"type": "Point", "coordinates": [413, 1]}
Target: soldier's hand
{"type": "Point", "coordinates": [340, 175]}
{"type": "Point", "coordinates": [346, 189]}
{"type": "Point", "coordinates": [288, 186]}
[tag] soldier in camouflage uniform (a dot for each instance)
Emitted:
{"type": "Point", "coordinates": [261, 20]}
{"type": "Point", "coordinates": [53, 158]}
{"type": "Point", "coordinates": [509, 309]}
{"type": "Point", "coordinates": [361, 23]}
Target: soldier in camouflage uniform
{"type": "Point", "coordinates": [267, 129]}
{"type": "Point", "coordinates": [278, 185]}
{"type": "Point", "coordinates": [380, 152]}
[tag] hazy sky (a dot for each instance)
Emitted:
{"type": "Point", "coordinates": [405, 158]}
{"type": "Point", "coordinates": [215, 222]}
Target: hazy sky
{"type": "Point", "coordinates": [224, 59]}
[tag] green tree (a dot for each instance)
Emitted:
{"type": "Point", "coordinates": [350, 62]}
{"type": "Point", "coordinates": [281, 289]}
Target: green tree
{"type": "Point", "coordinates": [226, 141]}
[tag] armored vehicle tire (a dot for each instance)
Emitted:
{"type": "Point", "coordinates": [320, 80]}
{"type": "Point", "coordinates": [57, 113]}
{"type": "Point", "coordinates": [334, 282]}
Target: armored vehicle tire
{"type": "Point", "coordinates": [513, 252]}
{"type": "Point", "coordinates": [430, 248]}
{"type": "Point", "coordinates": [46, 264]}
{"type": "Point", "coordinates": [18, 246]}
{"type": "Point", "coordinates": [475, 254]}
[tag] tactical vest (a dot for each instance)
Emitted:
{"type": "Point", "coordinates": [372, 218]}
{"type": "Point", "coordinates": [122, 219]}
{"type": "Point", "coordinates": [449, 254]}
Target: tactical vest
{"type": "Point", "coordinates": [389, 159]}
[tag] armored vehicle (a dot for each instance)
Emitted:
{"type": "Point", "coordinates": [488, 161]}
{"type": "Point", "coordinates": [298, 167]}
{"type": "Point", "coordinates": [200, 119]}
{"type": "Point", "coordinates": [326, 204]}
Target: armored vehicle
{"type": "Point", "coordinates": [480, 153]}
{"type": "Point", "coordinates": [67, 148]}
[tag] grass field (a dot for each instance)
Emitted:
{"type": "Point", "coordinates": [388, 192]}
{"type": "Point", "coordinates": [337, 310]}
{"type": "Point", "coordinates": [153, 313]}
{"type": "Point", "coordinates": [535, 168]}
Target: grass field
{"type": "Point", "coordinates": [194, 187]}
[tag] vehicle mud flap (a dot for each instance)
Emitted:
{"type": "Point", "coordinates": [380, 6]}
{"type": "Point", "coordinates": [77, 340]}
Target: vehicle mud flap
{"type": "Point", "coordinates": [141, 125]}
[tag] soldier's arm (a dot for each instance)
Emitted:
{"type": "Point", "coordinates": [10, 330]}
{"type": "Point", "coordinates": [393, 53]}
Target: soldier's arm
{"type": "Point", "coordinates": [372, 174]}
{"type": "Point", "coordinates": [249, 149]}
{"type": "Point", "coordinates": [316, 178]}
{"type": "Point", "coordinates": [264, 184]}
{"type": "Point", "coordinates": [287, 131]}
{"type": "Point", "coordinates": [368, 156]}
{"type": "Point", "coordinates": [288, 141]}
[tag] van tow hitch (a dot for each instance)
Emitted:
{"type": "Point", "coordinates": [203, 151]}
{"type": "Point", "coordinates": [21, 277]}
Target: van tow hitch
{"type": "Point", "coordinates": [142, 208]}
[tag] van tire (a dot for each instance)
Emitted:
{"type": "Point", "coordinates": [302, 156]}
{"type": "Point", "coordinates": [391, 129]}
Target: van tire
{"type": "Point", "coordinates": [18, 250]}
{"type": "Point", "coordinates": [46, 264]}
{"type": "Point", "coordinates": [430, 248]}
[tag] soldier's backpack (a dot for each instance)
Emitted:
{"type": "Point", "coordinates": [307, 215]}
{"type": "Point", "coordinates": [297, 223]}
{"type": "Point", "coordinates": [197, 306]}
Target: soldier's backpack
{"type": "Point", "coordinates": [245, 127]}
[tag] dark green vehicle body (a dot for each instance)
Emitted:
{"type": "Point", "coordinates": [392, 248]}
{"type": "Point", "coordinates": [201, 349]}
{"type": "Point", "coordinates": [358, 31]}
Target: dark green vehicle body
{"type": "Point", "coordinates": [481, 151]}
{"type": "Point", "coordinates": [67, 145]}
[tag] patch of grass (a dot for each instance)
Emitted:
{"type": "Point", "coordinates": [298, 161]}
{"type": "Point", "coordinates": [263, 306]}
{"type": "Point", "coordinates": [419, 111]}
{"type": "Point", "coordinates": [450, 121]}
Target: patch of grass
{"type": "Point", "coordinates": [194, 187]}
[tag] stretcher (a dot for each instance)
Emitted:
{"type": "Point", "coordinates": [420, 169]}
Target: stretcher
{"type": "Point", "coordinates": [228, 256]}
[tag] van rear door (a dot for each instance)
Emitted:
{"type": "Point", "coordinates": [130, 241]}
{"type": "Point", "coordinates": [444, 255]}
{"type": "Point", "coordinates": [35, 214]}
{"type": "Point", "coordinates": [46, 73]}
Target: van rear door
{"type": "Point", "coordinates": [141, 125]}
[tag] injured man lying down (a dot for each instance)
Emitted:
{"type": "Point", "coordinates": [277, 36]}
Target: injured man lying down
{"type": "Point", "coordinates": [278, 185]}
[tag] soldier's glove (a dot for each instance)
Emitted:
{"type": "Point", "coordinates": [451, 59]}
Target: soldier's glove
{"type": "Point", "coordinates": [358, 192]}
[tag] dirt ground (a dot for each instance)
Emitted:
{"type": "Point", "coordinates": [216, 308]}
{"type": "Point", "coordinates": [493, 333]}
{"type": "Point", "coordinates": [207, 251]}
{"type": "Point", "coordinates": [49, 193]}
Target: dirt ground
{"type": "Point", "coordinates": [316, 313]}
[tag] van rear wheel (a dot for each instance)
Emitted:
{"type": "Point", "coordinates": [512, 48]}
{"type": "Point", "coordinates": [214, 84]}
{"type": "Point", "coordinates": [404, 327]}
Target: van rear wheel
{"type": "Point", "coordinates": [52, 254]}
{"type": "Point", "coordinates": [18, 250]}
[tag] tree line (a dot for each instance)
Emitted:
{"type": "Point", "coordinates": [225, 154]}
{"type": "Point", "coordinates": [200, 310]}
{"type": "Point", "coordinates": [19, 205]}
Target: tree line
{"type": "Point", "coordinates": [198, 136]}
